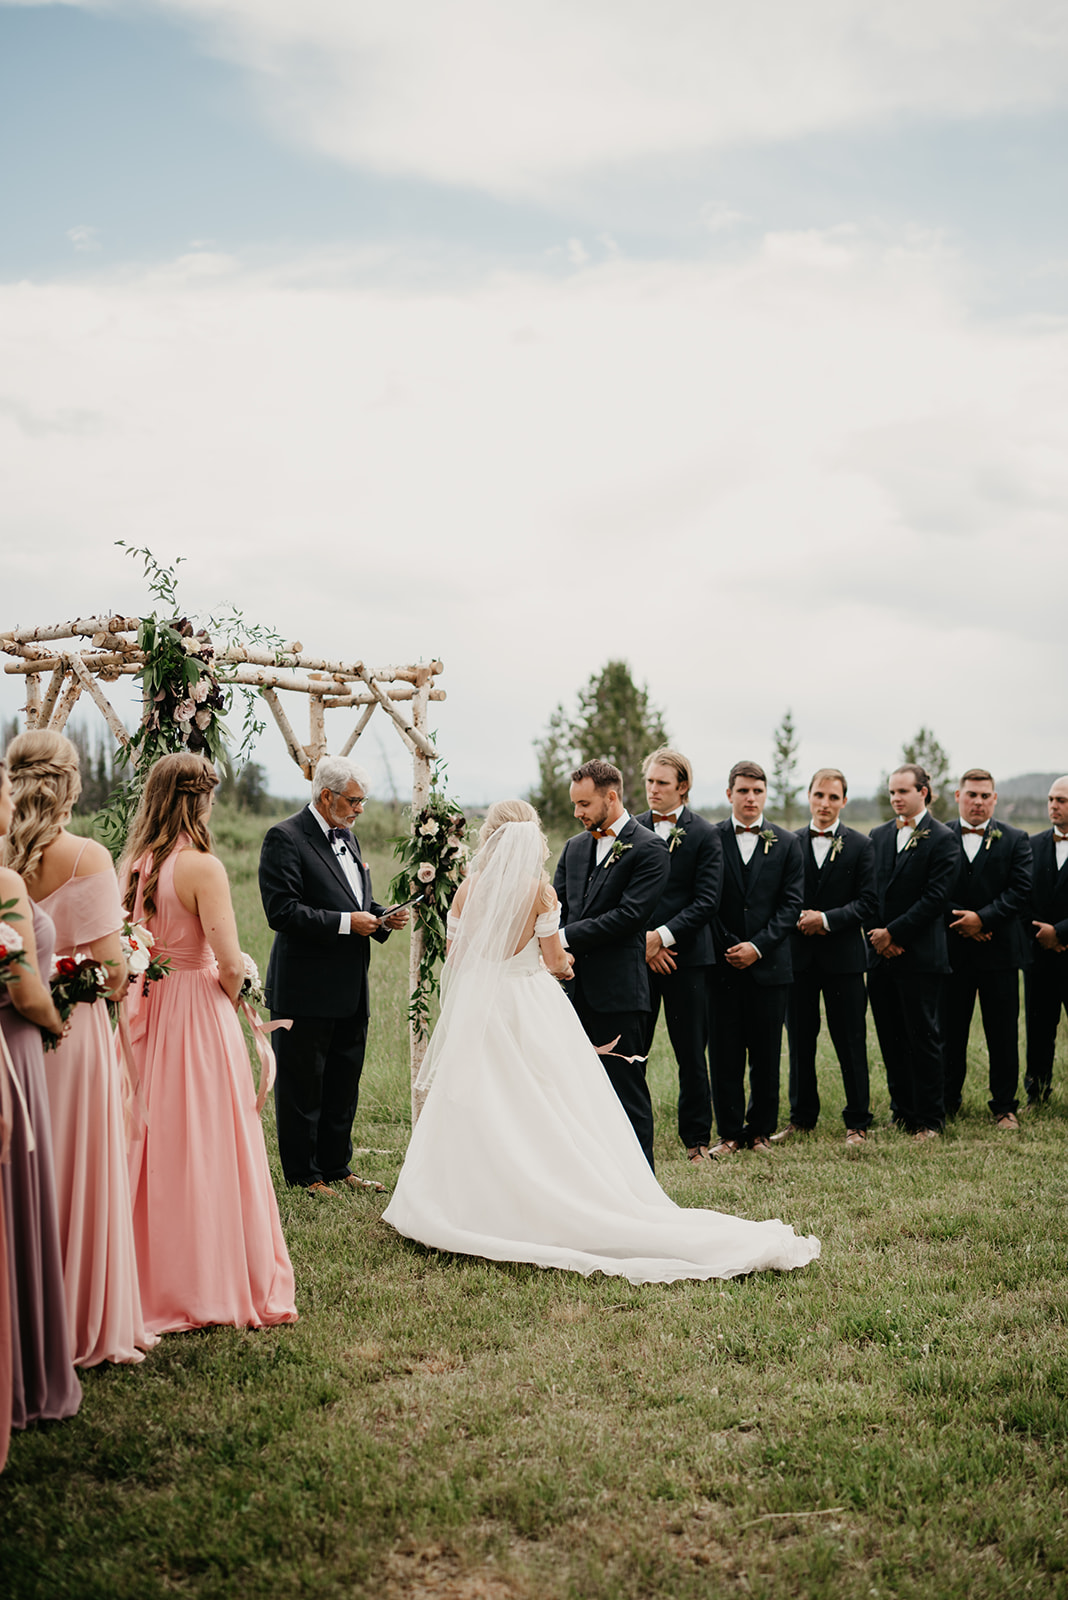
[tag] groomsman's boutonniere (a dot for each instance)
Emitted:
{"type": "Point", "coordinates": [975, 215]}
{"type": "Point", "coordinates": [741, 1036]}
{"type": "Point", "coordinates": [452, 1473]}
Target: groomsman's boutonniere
{"type": "Point", "coordinates": [992, 834]}
{"type": "Point", "coordinates": [837, 845]}
{"type": "Point", "coordinates": [769, 836]}
{"type": "Point", "coordinates": [918, 834]}
{"type": "Point", "coordinates": [675, 837]}
{"type": "Point", "coordinates": [616, 851]}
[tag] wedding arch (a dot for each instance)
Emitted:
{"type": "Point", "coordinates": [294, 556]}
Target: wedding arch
{"type": "Point", "coordinates": [78, 658]}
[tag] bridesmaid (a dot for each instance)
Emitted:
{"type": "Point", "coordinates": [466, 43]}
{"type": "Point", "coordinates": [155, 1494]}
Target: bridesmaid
{"type": "Point", "coordinates": [43, 1383]}
{"type": "Point", "coordinates": [209, 1241]}
{"type": "Point", "coordinates": [74, 882]}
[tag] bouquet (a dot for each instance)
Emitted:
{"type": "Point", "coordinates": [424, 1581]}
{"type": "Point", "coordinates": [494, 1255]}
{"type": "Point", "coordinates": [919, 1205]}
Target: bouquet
{"type": "Point", "coordinates": [75, 980]}
{"type": "Point", "coordinates": [252, 989]}
{"type": "Point", "coordinates": [137, 947]}
{"type": "Point", "coordinates": [12, 944]}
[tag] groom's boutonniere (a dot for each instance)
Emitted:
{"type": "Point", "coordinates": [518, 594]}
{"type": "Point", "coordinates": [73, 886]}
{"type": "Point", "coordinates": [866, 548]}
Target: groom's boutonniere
{"type": "Point", "coordinates": [616, 851]}
{"type": "Point", "coordinates": [837, 845]}
{"type": "Point", "coordinates": [992, 834]}
{"type": "Point", "coordinates": [675, 837]}
{"type": "Point", "coordinates": [769, 837]}
{"type": "Point", "coordinates": [918, 834]}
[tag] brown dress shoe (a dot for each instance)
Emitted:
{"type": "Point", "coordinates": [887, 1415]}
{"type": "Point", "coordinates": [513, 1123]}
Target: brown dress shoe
{"type": "Point", "coordinates": [855, 1137]}
{"type": "Point", "coordinates": [726, 1147]}
{"type": "Point", "coordinates": [697, 1153]}
{"type": "Point", "coordinates": [761, 1144]}
{"type": "Point", "coordinates": [787, 1133]}
{"type": "Point", "coordinates": [319, 1187]}
{"type": "Point", "coordinates": [922, 1135]}
{"type": "Point", "coordinates": [1007, 1121]}
{"type": "Point", "coordinates": [353, 1182]}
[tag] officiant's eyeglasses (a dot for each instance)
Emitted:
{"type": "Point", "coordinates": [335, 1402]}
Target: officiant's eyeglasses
{"type": "Point", "coordinates": [346, 799]}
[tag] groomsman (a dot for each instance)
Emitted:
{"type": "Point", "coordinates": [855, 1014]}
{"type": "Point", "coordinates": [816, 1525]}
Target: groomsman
{"type": "Point", "coordinates": [609, 880]}
{"type": "Point", "coordinates": [678, 944]}
{"type": "Point", "coordinates": [760, 904]}
{"type": "Point", "coordinates": [829, 957]}
{"type": "Point", "coordinates": [915, 864]}
{"type": "Point", "coordinates": [1046, 982]}
{"type": "Point", "coordinates": [987, 945]}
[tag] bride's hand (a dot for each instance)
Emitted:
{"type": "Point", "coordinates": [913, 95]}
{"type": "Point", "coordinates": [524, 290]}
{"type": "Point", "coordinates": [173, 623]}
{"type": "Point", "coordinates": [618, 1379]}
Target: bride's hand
{"type": "Point", "coordinates": [563, 974]}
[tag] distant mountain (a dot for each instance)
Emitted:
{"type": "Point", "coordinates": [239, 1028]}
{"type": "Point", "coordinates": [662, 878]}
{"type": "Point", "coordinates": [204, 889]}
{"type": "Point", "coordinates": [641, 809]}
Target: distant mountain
{"type": "Point", "coordinates": [1030, 786]}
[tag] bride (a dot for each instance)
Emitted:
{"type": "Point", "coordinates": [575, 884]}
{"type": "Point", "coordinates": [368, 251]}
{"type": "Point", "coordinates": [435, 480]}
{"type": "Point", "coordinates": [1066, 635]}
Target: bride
{"type": "Point", "coordinates": [522, 1151]}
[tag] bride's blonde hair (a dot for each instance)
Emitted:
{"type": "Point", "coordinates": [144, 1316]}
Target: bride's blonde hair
{"type": "Point", "coordinates": [502, 811]}
{"type": "Point", "coordinates": [45, 784]}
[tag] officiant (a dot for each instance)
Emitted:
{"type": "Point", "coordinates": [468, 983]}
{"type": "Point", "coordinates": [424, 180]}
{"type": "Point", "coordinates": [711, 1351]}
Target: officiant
{"type": "Point", "coordinates": [316, 893]}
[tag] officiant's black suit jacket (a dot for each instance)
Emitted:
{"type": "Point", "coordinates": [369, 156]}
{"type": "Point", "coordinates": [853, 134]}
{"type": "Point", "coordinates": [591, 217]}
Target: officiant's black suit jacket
{"type": "Point", "coordinates": [605, 911]}
{"type": "Point", "coordinates": [844, 890]}
{"type": "Point", "coordinates": [997, 884]}
{"type": "Point", "coordinates": [314, 971]}
{"type": "Point", "coordinates": [760, 904]}
{"type": "Point", "coordinates": [913, 888]}
{"type": "Point", "coordinates": [1049, 896]}
{"type": "Point", "coordinates": [690, 898]}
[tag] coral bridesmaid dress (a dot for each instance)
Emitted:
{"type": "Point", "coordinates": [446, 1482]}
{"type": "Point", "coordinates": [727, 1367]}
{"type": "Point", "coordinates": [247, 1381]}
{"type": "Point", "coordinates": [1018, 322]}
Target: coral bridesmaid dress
{"type": "Point", "coordinates": [209, 1241]}
{"type": "Point", "coordinates": [85, 1101]}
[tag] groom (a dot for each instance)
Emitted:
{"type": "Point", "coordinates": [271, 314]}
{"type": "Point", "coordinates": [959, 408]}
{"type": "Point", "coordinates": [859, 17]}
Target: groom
{"type": "Point", "coordinates": [609, 880]}
{"type": "Point", "coordinates": [316, 893]}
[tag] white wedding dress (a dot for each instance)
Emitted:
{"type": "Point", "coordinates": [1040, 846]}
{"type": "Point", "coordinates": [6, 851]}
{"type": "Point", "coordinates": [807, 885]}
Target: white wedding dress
{"type": "Point", "coordinates": [522, 1151]}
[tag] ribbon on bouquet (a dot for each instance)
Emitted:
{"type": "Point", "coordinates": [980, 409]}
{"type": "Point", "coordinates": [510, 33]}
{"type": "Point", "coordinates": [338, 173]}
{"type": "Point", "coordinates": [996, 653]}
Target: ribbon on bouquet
{"type": "Point", "coordinates": [260, 1030]}
{"type": "Point", "coordinates": [610, 1050]}
{"type": "Point", "coordinates": [134, 1110]}
{"type": "Point", "coordinates": [9, 1079]}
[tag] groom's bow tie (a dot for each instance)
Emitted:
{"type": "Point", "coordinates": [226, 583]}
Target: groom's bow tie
{"type": "Point", "coordinates": [601, 833]}
{"type": "Point", "coordinates": [342, 837]}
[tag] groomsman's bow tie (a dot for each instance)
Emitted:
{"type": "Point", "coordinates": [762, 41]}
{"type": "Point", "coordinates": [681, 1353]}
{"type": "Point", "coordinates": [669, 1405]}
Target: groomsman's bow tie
{"type": "Point", "coordinates": [905, 822]}
{"type": "Point", "coordinates": [964, 828]}
{"type": "Point", "coordinates": [658, 818]}
{"type": "Point", "coordinates": [601, 833]}
{"type": "Point", "coordinates": [1059, 837]}
{"type": "Point", "coordinates": [754, 827]}
{"type": "Point", "coordinates": [341, 836]}
{"type": "Point", "coordinates": [818, 833]}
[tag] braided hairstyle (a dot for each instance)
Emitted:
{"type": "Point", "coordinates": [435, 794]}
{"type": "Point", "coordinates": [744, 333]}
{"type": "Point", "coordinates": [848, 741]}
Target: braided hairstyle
{"type": "Point", "coordinates": [45, 784]}
{"type": "Point", "coordinates": [175, 800]}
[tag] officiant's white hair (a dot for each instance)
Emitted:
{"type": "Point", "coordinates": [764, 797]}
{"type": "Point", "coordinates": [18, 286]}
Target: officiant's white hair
{"type": "Point", "coordinates": [336, 773]}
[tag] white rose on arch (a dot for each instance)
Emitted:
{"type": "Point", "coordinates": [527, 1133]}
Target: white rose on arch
{"type": "Point", "coordinates": [430, 829]}
{"type": "Point", "coordinates": [426, 872]}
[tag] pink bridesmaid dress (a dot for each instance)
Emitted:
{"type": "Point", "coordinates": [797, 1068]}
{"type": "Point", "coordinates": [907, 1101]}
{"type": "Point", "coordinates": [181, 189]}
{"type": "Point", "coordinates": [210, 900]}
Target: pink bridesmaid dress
{"type": "Point", "coordinates": [209, 1241]}
{"type": "Point", "coordinates": [85, 1102]}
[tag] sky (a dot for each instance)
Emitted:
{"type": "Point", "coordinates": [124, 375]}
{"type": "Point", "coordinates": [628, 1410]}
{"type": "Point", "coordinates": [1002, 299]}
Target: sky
{"type": "Point", "coordinates": [730, 341]}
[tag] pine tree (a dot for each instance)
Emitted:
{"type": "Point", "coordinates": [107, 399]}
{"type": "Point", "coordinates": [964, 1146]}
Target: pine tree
{"type": "Point", "coordinates": [784, 786]}
{"type": "Point", "coordinates": [557, 758]}
{"type": "Point", "coordinates": [614, 722]}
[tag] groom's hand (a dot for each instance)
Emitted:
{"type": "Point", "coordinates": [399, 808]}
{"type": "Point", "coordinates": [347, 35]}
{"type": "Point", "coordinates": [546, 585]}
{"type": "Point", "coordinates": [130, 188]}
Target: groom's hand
{"type": "Point", "coordinates": [397, 919]}
{"type": "Point", "coordinates": [363, 922]}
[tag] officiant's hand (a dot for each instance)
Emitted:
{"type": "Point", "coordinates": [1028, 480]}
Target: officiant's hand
{"type": "Point", "coordinates": [397, 919]}
{"type": "Point", "coordinates": [363, 922]}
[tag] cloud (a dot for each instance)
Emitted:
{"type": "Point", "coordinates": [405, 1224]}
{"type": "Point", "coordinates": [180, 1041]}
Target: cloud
{"type": "Point", "coordinates": [806, 477]}
{"type": "Point", "coordinates": [537, 97]}
{"type": "Point", "coordinates": [84, 239]}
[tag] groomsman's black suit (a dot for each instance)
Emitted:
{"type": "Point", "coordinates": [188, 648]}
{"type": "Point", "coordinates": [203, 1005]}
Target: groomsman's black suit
{"type": "Point", "coordinates": [997, 886]}
{"type": "Point", "coordinates": [1046, 981]}
{"type": "Point", "coordinates": [832, 963]}
{"type": "Point", "coordinates": [760, 905]}
{"type": "Point", "coordinates": [604, 912]}
{"type": "Point", "coordinates": [317, 976]}
{"type": "Point", "coordinates": [688, 903]}
{"type": "Point", "coordinates": [905, 991]}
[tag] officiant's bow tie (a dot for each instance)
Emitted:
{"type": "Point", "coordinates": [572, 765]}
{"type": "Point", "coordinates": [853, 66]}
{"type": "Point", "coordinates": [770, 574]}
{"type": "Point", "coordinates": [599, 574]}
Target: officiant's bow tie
{"type": "Point", "coordinates": [754, 827]}
{"type": "Point", "coordinates": [964, 828]}
{"type": "Point", "coordinates": [341, 836]}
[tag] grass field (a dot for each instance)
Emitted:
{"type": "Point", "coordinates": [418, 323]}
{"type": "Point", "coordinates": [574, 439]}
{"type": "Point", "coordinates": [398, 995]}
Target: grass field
{"type": "Point", "coordinates": [889, 1422]}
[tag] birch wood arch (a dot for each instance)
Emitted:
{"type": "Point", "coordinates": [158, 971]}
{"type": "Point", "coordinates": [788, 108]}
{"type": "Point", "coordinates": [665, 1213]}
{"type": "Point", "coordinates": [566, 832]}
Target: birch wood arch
{"type": "Point", "coordinates": [79, 657]}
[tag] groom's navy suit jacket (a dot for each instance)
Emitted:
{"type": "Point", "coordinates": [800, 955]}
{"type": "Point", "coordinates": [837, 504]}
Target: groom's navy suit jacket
{"type": "Point", "coordinates": [913, 886]}
{"type": "Point", "coordinates": [314, 970]}
{"type": "Point", "coordinates": [997, 885]}
{"type": "Point", "coordinates": [605, 911]}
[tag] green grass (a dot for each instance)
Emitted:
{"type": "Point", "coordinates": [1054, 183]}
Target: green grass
{"type": "Point", "coordinates": [889, 1422]}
